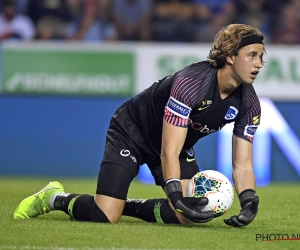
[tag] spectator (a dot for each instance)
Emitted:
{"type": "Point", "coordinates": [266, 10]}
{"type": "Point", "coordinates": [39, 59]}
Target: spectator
{"type": "Point", "coordinates": [205, 9]}
{"type": "Point", "coordinates": [51, 18]}
{"type": "Point", "coordinates": [21, 6]}
{"type": "Point", "coordinates": [273, 9]}
{"type": "Point", "coordinates": [14, 25]}
{"type": "Point", "coordinates": [172, 20]}
{"type": "Point", "coordinates": [91, 22]}
{"type": "Point", "coordinates": [253, 13]}
{"type": "Point", "coordinates": [207, 31]}
{"type": "Point", "coordinates": [288, 30]}
{"type": "Point", "coordinates": [259, 22]}
{"type": "Point", "coordinates": [296, 5]}
{"type": "Point", "coordinates": [210, 16]}
{"type": "Point", "coordinates": [132, 19]}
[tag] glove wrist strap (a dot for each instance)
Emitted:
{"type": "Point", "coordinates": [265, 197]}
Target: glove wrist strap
{"type": "Point", "coordinates": [174, 189]}
{"type": "Point", "coordinates": [246, 196]}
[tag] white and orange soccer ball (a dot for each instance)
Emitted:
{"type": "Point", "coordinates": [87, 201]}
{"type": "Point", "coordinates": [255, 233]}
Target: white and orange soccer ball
{"type": "Point", "coordinates": [216, 187]}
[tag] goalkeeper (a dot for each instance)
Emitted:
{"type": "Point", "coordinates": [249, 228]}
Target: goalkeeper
{"type": "Point", "coordinates": [160, 126]}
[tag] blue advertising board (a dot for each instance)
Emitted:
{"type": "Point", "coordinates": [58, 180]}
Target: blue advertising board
{"type": "Point", "coordinates": [65, 136]}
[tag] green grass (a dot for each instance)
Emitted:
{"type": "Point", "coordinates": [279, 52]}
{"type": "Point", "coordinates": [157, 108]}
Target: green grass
{"type": "Point", "coordinates": [279, 214]}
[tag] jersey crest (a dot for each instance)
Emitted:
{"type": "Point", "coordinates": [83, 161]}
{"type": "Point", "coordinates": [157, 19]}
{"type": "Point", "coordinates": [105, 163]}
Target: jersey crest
{"type": "Point", "coordinates": [231, 113]}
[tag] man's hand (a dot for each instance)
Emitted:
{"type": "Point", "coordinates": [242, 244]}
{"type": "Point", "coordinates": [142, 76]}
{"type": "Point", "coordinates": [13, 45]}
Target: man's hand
{"type": "Point", "coordinates": [189, 207]}
{"type": "Point", "coordinates": [246, 215]}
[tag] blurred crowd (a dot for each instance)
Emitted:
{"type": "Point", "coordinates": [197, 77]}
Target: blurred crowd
{"type": "Point", "coordinates": [146, 20]}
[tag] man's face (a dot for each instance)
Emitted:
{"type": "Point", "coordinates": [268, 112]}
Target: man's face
{"type": "Point", "coordinates": [247, 63]}
{"type": "Point", "coordinates": [9, 12]}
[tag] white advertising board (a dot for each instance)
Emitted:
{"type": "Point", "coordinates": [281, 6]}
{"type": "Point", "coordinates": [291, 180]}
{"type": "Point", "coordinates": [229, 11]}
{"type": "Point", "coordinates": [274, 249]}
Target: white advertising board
{"type": "Point", "coordinates": [279, 79]}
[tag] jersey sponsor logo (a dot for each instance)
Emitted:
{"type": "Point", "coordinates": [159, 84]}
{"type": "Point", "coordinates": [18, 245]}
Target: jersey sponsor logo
{"type": "Point", "coordinates": [126, 153]}
{"type": "Point", "coordinates": [204, 128]}
{"type": "Point", "coordinates": [205, 104]}
{"type": "Point", "coordinates": [256, 120]}
{"type": "Point", "coordinates": [178, 108]}
{"type": "Point", "coordinates": [250, 131]}
{"type": "Point", "coordinates": [231, 113]}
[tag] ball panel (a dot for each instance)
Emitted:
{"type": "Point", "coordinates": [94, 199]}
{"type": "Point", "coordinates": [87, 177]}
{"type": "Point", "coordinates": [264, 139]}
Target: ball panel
{"type": "Point", "coordinates": [216, 187]}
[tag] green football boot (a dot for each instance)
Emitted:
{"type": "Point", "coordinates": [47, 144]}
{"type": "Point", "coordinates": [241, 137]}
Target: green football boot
{"type": "Point", "coordinates": [38, 203]}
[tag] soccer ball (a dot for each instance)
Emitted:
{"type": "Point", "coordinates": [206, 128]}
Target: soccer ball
{"type": "Point", "coordinates": [216, 187]}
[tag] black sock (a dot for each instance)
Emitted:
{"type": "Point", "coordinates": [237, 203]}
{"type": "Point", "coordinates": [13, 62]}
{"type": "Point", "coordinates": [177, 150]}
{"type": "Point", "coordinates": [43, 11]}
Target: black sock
{"type": "Point", "coordinates": [80, 207]}
{"type": "Point", "coordinates": [62, 201]}
{"type": "Point", "coordinates": [154, 210]}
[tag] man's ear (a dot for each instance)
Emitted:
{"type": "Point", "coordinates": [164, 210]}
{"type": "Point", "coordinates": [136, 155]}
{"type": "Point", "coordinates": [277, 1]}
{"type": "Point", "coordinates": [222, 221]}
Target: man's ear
{"type": "Point", "coordinates": [230, 59]}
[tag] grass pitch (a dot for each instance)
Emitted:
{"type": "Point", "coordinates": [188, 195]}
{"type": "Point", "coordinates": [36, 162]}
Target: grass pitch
{"type": "Point", "coordinates": [278, 218]}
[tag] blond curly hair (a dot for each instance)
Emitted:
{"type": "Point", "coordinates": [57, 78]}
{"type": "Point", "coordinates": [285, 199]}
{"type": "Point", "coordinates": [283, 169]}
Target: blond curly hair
{"type": "Point", "coordinates": [227, 41]}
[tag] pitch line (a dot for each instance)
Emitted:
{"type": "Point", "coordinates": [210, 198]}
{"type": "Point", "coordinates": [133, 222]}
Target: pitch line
{"type": "Point", "coordinates": [78, 248]}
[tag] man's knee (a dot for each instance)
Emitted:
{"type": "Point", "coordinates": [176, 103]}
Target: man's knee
{"type": "Point", "coordinates": [97, 214]}
{"type": "Point", "coordinates": [84, 208]}
{"type": "Point", "coordinates": [111, 207]}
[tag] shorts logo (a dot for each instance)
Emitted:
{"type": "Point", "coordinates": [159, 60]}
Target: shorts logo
{"type": "Point", "coordinates": [190, 160]}
{"type": "Point", "coordinates": [126, 153]}
{"type": "Point", "coordinates": [178, 108]}
{"type": "Point", "coordinates": [190, 152]}
{"type": "Point", "coordinates": [231, 113]}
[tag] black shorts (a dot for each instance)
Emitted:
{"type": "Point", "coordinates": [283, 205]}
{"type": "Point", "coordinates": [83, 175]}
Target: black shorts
{"type": "Point", "coordinates": [126, 150]}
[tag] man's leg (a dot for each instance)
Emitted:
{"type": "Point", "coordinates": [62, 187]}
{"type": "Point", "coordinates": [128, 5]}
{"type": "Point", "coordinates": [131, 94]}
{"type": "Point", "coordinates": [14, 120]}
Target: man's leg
{"type": "Point", "coordinates": [98, 208]}
{"type": "Point", "coordinates": [106, 206]}
{"type": "Point", "coordinates": [161, 210]}
{"type": "Point", "coordinates": [155, 210]}
{"type": "Point", "coordinates": [108, 203]}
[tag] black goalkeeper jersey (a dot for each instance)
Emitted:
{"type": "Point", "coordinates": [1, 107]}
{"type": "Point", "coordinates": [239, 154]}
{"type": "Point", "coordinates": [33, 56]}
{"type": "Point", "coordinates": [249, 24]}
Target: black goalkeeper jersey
{"type": "Point", "coordinates": [190, 98]}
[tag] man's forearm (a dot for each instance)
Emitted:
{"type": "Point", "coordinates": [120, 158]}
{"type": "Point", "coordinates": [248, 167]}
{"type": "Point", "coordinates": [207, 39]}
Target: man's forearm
{"type": "Point", "coordinates": [170, 166]}
{"type": "Point", "coordinates": [243, 179]}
